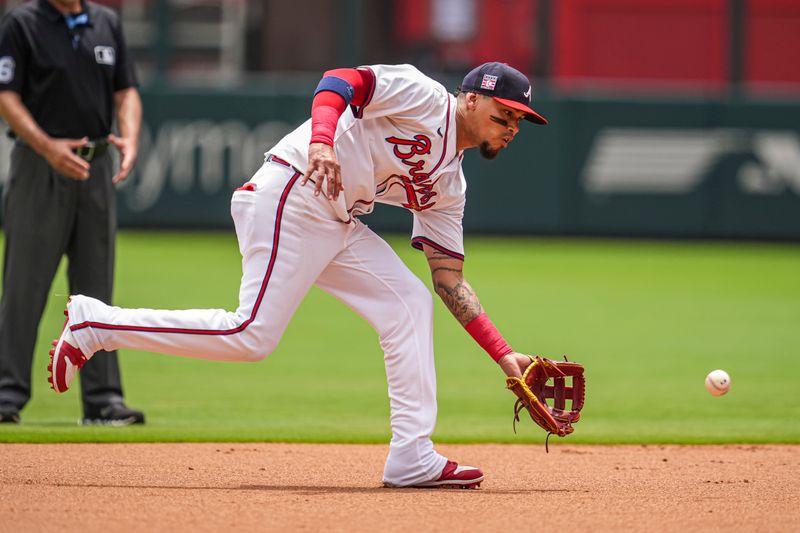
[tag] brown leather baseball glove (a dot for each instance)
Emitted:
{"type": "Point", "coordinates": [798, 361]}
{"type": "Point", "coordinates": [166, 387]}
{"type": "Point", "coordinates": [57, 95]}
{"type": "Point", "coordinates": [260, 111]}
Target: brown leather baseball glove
{"type": "Point", "coordinates": [533, 391]}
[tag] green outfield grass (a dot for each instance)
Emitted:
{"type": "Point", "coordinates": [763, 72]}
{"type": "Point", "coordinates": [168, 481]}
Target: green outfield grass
{"type": "Point", "coordinates": [648, 320]}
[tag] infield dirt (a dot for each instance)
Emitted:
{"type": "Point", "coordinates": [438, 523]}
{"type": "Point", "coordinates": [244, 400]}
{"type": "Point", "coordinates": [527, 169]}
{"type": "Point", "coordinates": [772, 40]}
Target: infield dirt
{"type": "Point", "coordinates": [304, 487]}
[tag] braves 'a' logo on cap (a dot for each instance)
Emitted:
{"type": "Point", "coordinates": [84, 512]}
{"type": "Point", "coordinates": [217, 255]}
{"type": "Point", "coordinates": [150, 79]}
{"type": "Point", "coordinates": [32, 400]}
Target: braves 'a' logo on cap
{"type": "Point", "coordinates": [527, 94]}
{"type": "Point", "coordinates": [488, 82]}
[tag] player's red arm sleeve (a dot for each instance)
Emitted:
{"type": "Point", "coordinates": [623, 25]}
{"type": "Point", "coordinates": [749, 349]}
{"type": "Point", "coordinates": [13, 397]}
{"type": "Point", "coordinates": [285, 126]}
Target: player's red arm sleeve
{"type": "Point", "coordinates": [328, 105]}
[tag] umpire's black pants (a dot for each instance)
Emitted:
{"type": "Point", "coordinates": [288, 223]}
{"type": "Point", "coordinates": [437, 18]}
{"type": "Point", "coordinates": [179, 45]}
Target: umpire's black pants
{"type": "Point", "coordinates": [45, 216]}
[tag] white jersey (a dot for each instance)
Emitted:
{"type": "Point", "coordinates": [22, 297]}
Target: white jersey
{"type": "Point", "coordinates": [399, 148]}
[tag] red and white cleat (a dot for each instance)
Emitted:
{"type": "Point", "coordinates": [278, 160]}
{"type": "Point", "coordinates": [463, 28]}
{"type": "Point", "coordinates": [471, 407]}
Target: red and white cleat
{"type": "Point", "coordinates": [457, 477]}
{"type": "Point", "coordinates": [65, 359]}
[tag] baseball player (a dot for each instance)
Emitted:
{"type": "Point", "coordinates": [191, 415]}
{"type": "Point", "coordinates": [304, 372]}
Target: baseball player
{"type": "Point", "coordinates": [383, 133]}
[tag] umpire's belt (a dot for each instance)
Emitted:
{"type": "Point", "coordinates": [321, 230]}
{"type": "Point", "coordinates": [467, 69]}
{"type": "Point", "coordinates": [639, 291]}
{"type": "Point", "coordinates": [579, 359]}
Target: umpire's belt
{"type": "Point", "coordinates": [91, 149]}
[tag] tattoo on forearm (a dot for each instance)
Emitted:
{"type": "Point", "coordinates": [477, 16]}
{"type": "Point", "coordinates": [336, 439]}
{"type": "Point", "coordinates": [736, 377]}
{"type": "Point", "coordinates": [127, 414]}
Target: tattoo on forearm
{"type": "Point", "coordinates": [438, 257]}
{"type": "Point", "coordinates": [434, 270]}
{"type": "Point", "coordinates": [460, 299]}
{"type": "Point", "coordinates": [452, 288]}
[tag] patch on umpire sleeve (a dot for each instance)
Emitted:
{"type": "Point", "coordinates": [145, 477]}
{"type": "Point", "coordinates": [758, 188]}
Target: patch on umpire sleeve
{"type": "Point", "coordinates": [7, 66]}
{"type": "Point", "coordinates": [104, 55]}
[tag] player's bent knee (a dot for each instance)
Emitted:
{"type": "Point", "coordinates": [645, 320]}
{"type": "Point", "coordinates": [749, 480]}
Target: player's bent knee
{"type": "Point", "coordinates": [401, 314]}
{"type": "Point", "coordinates": [255, 354]}
{"type": "Point", "coordinates": [420, 301]}
{"type": "Point", "coordinates": [252, 348]}
{"type": "Point", "coordinates": [252, 356]}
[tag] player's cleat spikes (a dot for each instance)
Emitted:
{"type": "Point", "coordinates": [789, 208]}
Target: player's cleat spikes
{"type": "Point", "coordinates": [65, 360]}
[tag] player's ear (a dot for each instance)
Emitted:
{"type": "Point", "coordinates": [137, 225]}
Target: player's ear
{"type": "Point", "coordinates": [472, 100]}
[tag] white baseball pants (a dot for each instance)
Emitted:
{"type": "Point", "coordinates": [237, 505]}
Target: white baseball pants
{"type": "Point", "coordinates": [289, 239]}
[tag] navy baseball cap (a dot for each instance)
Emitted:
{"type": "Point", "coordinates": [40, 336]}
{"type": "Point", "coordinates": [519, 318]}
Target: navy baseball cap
{"type": "Point", "coordinates": [505, 84]}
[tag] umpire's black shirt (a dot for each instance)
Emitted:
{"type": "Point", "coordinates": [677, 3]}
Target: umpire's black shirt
{"type": "Point", "coordinates": [65, 77]}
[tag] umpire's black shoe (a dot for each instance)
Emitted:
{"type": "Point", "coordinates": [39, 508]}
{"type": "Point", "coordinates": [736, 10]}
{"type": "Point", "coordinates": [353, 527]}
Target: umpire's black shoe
{"type": "Point", "coordinates": [114, 414]}
{"type": "Point", "coordinates": [9, 414]}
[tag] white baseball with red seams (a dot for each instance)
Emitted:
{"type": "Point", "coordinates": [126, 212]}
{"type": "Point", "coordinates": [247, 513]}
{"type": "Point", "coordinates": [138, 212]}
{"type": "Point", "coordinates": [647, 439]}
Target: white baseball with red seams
{"type": "Point", "coordinates": [400, 149]}
{"type": "Point", "coordinates": [718, 382]}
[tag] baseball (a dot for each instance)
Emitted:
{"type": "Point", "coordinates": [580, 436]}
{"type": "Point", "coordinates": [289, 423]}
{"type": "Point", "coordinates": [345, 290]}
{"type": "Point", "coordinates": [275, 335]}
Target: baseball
{"type": "Point", "coordinates": [718, 382]}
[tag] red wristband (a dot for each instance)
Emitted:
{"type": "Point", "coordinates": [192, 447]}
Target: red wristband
{"type": "Point", "coordinates": [485, 334]}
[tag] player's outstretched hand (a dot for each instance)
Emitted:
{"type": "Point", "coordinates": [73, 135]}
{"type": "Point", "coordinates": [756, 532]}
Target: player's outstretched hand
{"type": "Point", "coordinates": [127, 149]}
{"type": "Point", "coordinates": [514, 364]}
{"type": "Point", "coordinates": [322, 166]}
{"type": "Point", "coordinates": [59, 153]}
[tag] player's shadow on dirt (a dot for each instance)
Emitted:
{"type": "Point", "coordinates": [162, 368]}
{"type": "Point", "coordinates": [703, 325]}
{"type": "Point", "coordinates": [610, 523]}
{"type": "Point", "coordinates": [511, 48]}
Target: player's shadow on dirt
{"type": "Point", "coordinates": [311, 490]}
{"type": "Point", "coordinates": [318, 490]}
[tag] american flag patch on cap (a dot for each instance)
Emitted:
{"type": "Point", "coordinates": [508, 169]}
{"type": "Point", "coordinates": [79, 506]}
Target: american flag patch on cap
{"type": "Point", "coordinates": [488, 82]}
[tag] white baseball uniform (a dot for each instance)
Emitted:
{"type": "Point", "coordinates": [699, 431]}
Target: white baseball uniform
{"type": "Point", "coordinates": [398, 148]}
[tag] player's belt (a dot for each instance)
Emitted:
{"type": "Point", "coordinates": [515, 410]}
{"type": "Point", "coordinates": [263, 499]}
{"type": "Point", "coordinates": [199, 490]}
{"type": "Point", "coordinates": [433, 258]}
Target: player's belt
{"type": "Point", "coordinates": [278, 161]}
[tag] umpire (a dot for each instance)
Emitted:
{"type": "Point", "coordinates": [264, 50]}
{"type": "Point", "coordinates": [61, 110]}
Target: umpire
{"type": "Point", "coordinates": [64, 70]}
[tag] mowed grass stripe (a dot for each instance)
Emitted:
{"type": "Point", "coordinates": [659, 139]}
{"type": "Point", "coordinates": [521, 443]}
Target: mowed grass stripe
{"type": "Point", "coordinates": [648, 319]}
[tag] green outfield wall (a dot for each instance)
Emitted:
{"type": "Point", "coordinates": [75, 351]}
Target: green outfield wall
{"type": "Point", "coordinates": [678, 168]}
